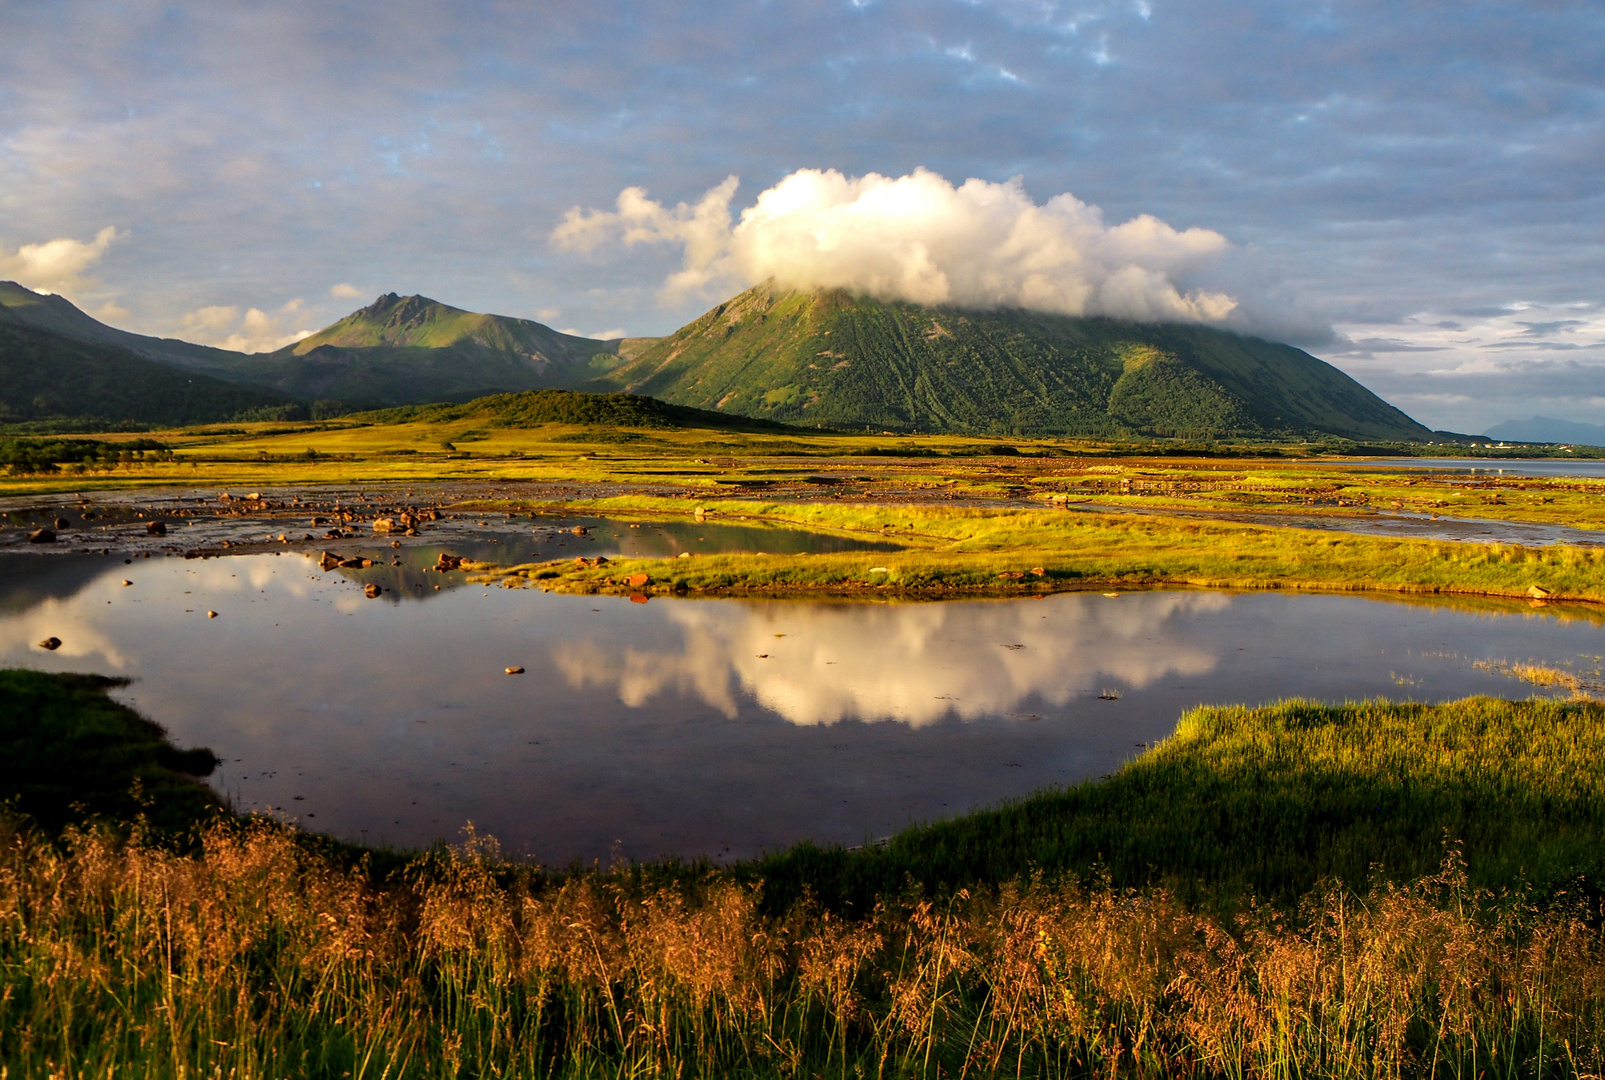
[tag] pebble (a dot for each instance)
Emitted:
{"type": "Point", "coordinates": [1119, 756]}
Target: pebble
{"type": "Point", "coordinates": [515, 670]}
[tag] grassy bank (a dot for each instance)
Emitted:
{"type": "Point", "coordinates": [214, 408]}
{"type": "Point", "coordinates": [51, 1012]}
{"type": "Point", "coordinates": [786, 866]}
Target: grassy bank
{"type": "Point", "coordinates": [259, 956]}
{"type": "Point", "coordinates": [966, 549]}
{"type": "Point", "coordinates": [1269, 802]}
{"type": "Point", "coordinates": [69, 753]}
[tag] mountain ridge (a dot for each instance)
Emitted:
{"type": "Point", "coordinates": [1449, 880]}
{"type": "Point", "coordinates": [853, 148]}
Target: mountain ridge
{"type": "Point", "coordinates": [395, 351]}
{"type": "Point", "coordinates": [48, 377]}
{"type": "Point", "coordinates": [827, 358]}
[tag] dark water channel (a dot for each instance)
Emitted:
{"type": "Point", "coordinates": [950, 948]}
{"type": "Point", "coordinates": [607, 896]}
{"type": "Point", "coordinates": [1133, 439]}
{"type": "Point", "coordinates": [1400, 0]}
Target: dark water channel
{"type": "Point", "coordinates": [689, 726]}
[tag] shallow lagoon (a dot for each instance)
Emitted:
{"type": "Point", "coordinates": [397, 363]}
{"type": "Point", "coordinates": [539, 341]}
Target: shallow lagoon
{"type": "Point", "coordinates": [716, 727]}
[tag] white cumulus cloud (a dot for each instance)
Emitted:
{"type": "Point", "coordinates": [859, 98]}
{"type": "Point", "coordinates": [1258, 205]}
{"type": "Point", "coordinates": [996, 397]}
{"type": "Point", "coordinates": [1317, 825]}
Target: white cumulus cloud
{"type": "Point", "coordinates": [225, 327]}
{"type": "Point", "coordinates": [57, 266]}
{"type": "Point", "coordinates": [920, 238]}
{"type": "Point", "coordinates": [343, 291]}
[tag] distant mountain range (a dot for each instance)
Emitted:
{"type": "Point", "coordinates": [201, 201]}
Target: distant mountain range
{"type": "Point", "coordinates": [829, 358]}
{"type": "Point", "coordinates": [815, 358]}
{"type": "Point", "coordinates": [1547, 429]}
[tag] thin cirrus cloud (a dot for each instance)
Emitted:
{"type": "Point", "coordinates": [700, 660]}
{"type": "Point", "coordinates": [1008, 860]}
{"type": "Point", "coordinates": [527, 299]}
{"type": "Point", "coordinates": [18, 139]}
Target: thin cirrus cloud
{"type": "Point", "coordinates": [918, 238]}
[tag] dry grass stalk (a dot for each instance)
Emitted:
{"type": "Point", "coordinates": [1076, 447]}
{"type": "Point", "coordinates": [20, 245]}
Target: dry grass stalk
{"type": "Point", "coordinates": [255, 958]}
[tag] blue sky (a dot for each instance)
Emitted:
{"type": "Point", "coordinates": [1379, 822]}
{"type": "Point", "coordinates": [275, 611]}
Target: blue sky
{"type": "Point", "coordinates": [1413, 191]}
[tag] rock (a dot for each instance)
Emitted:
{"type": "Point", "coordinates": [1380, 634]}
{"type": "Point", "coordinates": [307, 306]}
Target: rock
{"type": "Point", "coordinates": [127, 582]}
{"type": "Point", "coordinates": [356, 563]}
{"type": "Point", "coordinates": [395, 543]}
{"type": "Point", "coordinates": [42, 536]}
{"type": "Point", "coordinates": [371, 590]}
{"type": "Point", "coordinates": [1013, 574]}
{"type": "Point", "coordinates": [685, 555]}
{"type": "Point", "coordinates": [580, 530]}
{"type": "Point", "coordinates": [255, 496]}
{"type": "Point", "coordinates": [635, 581]}
{"type": "Point", "coordinates": [1538, 592]}
{"type": "Point", "coordinates": [448, 562]}
{"type": "Point", "coordinates": [601, 560]}
{"type": "Point", "coordinates": [1039, 571]}
{"type": "Point", "coordinates": [386, 525]}
{"type": "Point", "coordinates": [327, 561]}
{"type": "Point", "coordinates": [211, 614]}
{"type": "Point", "coordinates": [516, 669]}
{"type": "Point", "coordinates": [62, 523]}
{"type": "Point", "coordinates": [50, 644]}
{"type": "Point", "coordinates": [156, 528]}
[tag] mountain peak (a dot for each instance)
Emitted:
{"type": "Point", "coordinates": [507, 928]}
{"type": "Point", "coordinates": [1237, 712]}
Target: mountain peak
{"type": "Point", "coordinates": [827, 357]}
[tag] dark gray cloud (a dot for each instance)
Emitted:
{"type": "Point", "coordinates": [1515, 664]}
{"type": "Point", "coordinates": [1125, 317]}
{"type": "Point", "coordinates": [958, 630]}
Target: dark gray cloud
{"type": "Point", "coordinates": [1422, 174]}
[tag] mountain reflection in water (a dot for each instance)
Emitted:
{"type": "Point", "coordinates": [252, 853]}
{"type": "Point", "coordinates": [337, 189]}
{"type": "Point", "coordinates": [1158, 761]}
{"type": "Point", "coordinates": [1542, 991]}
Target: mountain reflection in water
{"type": "Point", "coordinates": [702, 727]}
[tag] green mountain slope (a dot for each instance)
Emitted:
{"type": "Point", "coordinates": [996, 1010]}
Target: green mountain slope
{"type": "Point", "coordinates": [46, 376]}
{"type": "Point", "coordinates": [827, 358]}
{"type": "Point", "coordinates": [405, 350]}
{"type": "Point", "coordinates": [21, 306]}
{"type": "Point", "coordinates": [534, 408]}
{"type": "Point", "coordinates": [398, 350]}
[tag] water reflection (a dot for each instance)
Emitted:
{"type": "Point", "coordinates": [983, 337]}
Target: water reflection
{"type": "Point", "coordinates": [822, 663]}
{"type": "Point", "coordinates": [697, 726]}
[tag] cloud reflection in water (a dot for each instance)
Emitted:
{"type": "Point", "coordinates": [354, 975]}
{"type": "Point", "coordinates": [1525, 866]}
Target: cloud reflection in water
{"type": "Point", "coordinates": [819, 663]}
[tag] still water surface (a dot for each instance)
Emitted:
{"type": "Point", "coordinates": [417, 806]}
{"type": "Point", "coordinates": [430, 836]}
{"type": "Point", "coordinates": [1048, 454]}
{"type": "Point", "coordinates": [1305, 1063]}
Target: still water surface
{"type": "Point", "coordinates": [686, 726]}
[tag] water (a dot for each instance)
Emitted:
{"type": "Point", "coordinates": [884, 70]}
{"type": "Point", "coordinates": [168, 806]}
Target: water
{"type": "Point", "coordinates": [1496, 466]}
{"type": "Point", "coordinates": [715, 727]}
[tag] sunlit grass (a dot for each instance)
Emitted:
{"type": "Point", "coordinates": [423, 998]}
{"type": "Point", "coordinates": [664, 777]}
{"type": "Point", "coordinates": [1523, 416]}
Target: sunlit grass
{"type": "Point", "coordinates": [953, 549]}
{"type": "Point", "coordinates": [257, 956]}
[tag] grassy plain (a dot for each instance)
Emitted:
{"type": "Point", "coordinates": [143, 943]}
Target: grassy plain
{"type": "Point", "coordinates": [968, 509]}
{"type": "Point", "coordinates": [257, 955]}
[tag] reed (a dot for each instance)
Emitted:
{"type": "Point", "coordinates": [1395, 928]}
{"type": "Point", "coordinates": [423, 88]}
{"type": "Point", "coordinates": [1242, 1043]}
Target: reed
{"type": "Point", "coordinates": [258, 958]}
{"type": "Point", "coordinates": [254, 951]}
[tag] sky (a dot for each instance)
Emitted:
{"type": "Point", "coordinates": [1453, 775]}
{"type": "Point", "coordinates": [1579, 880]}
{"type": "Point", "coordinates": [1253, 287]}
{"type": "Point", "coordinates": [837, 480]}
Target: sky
{"type": "Point", "coordinates": [1412, 191]}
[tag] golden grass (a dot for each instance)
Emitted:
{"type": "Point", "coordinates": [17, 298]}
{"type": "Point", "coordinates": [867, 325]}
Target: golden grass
{"type": "Point", "coordinates": [955, 549]}
{"type": "Point", "coordinates": [256, 958]}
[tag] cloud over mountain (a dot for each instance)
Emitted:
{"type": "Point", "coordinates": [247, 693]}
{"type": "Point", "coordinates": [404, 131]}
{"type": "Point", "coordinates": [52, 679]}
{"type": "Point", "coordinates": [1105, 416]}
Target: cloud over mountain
{"type": "Point", "coordinates": [922, 239]}
{"type": "Point", "coordinates": [56, 266]}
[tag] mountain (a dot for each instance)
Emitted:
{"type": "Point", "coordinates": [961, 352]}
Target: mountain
{"type": "Point", "coordinates": [1547, 429]}
{"type": "Point", "coordinates": [534, 408]}
{"type": "Point", "coordinates": [21, 306]}
{"type": "Point", "coordinates": [831, 359]}
{"type": "Point", "coordinates": [410, 349]}
{"type": "Point", "coordinates": [397, 350]}
{"type": "Point", "coordinates": [47, 376]}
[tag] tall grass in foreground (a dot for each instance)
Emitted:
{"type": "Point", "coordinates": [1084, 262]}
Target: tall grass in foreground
{"type": "Point", "coordinates": [257, 957]}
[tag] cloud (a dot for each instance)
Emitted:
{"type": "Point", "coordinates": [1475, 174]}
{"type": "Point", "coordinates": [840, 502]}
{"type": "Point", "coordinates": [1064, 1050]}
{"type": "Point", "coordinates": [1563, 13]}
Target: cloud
{"type": "Point", "coordinates": [911, 663]}
{"type": "Point", "coordinates": [255, 331]}
{"type": "Point", "coordinates": [57, 266]}
{"type": "Point", "coordinates": [600, 335]}
{"type": "Point", "coordinates": [345, 292]}
{"type": "Point", "coordinates": [920, 238]}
